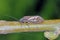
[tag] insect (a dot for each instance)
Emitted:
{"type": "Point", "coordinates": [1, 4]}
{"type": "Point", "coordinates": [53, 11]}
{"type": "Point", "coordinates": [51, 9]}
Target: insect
{"type": "Point", "coordinates": [31, 19]}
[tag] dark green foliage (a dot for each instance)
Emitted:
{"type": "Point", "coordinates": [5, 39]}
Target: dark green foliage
{"type": "Point", "coordinates": [23, 36]}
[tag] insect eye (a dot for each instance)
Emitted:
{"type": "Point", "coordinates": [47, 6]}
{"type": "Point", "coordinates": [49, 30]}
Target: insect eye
{"type": "Point", "coordinates": [26, 22]}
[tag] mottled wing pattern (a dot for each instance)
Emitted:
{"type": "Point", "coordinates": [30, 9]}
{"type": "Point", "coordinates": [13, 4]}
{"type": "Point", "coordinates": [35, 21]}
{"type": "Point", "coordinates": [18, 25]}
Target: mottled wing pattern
{"type": "Point", "coordinates": [32, 19]}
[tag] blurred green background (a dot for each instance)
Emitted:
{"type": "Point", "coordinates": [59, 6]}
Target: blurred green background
{"type": "Point", "coordinates": [48, 9]}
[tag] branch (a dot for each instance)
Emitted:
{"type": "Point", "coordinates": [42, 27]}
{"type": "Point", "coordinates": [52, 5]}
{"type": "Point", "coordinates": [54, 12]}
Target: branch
{"type": "Point", "coordinates": [14, 26]}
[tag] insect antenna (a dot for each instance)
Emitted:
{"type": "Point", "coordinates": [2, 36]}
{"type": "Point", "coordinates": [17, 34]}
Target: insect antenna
{"type": "Point", "coordinates": [12, 17]}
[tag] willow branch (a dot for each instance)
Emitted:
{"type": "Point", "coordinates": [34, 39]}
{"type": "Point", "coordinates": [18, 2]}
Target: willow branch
{"type": "Point", "coordinates": [14, 26]}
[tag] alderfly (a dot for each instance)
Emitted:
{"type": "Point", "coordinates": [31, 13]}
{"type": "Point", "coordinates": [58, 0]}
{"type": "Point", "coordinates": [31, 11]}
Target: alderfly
{"type": "Point", "coordinates": [29, 19]}
{"type": "Point", "coordinates": [32, 19]}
